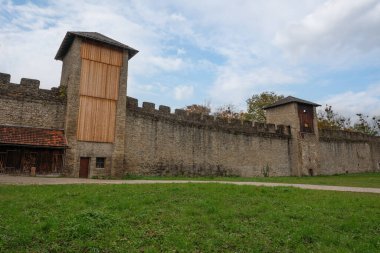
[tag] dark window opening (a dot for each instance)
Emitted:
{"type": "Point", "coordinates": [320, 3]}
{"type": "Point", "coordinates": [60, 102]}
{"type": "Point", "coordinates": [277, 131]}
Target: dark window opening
{"type": "Point", "coordinates": [100, 162]}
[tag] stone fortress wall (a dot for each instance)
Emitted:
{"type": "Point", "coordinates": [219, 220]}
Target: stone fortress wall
{"type": "Point", "coordinates": [25, 104]}
{"type": "Point", "coordinates": [161, 143]}
{"type": "Point", "coordinates": [158, 142]}
{"type": "Point", "coordinates": [348, 152]}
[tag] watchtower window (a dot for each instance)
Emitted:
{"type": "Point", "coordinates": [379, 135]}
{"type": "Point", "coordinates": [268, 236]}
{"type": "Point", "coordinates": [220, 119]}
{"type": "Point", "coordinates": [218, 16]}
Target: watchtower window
{"type": "Point", "coordinates": [306, 116]}
{"type": "Point", "coordinates": [100, 162]}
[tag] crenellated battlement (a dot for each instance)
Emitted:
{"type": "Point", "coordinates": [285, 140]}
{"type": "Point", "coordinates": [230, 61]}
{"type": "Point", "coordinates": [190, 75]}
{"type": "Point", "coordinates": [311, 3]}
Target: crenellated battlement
{"type": "Point", "coordinates": [102, 124]}
{"type": "Point", "coordinates": [5, 78]}
{"type": "Point", "coordinates": [28, 89]}
{"type": "Point", "coordinates": [341, 135]}
{"type": "Point", "coordinates": [183, 117]}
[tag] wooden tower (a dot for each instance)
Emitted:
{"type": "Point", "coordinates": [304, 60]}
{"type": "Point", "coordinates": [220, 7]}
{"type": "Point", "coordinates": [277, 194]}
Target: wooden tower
{"type": "Point", "coordinates": [94, 81]}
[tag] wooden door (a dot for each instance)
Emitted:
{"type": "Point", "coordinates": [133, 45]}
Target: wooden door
{"type": "Point", "coordinates": [83, 169]}
{"type": "Point", "coordinates": [306, 116]}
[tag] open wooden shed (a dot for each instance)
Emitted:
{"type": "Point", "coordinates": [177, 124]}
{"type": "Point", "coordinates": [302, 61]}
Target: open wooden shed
{"type": "Point", "coordinates": [22, 148]}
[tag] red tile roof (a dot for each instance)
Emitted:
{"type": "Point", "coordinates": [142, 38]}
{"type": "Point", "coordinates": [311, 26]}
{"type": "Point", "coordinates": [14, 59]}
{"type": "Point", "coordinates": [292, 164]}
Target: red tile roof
{"type": "Point", "coordinates": [30, 136]}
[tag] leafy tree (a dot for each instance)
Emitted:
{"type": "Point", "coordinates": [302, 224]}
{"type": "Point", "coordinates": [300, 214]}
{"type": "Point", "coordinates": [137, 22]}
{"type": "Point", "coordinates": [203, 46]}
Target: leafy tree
{"type": "Point", "coordinates": [202, 109]}
{"type": "Point", "coordinates": [366, 125]}
{"type": "Point", "coordinates": [328, 119]}
{"type": "Point", "coordinates": [228, 111]}
{"type": "Point", "coordinates": [255, 104]}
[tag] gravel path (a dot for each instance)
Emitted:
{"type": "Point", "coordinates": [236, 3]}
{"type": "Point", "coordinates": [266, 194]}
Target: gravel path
{"type": "Point", "coordinates": [21, 180]}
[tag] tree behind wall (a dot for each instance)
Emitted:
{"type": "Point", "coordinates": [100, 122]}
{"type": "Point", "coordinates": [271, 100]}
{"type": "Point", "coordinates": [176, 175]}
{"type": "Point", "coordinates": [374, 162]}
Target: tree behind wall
{"type": "Point", "coordinates": [201, 109]}
{"type": "Point", "coordinates": [328, 119]}
{"type": "Point", "coordinates": [255, 104]}
{"type": "Point", "coordinates": [228, 111]}
{"type": "Point", "coordinates": [367, 125]}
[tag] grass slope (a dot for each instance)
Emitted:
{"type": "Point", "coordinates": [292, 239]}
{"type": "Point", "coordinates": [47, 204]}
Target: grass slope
{"type": "Point", "coordinates": [186, 218]}
{"type": "Point", "coordinates": [356, 180]}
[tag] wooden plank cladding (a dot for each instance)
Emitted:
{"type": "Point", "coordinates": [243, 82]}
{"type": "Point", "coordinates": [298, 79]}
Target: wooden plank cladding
{"type": "Point", "coordinates": [99, 87]}
{"type": "Point", "coordinates": [99, 80]}
{"type": "Point", "coordinates": [96, 121]}
{"type": "Point", "coordinates": [95, 52]}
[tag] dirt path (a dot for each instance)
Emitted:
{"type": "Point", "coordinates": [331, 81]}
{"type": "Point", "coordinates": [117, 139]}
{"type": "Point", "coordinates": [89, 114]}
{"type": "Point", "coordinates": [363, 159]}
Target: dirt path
{"type": "Point", "coordinates": [19, 180]}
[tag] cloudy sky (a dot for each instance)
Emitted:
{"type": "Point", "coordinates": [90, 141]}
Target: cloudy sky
{"type": "Point", "coordinates": [215, 51]}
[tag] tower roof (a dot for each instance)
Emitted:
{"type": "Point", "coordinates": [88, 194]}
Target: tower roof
{"type": "Point", "coordinates": [69, 38]}
{"type": "Point", "coordinates": [289, 100]}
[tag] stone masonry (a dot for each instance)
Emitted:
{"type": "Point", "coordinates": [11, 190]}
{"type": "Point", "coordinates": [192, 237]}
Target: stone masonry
{"type": "Point", "coordinates": [112, 152]}
{"type": "Point", "coordinates": [152, 141]}
{"type": "Point", "coordinates": [304, 151]}
{"type": "Point", "coordinates": [25, 104]}
{"type": "Point", "coordinates": [161, 143]}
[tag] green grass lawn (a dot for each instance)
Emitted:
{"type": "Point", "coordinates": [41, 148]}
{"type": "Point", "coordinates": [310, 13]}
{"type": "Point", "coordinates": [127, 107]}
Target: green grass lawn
{"type": "Point", "coordinates": [356, 180]}
{"type": "Point", "coordinates": [186, 218]}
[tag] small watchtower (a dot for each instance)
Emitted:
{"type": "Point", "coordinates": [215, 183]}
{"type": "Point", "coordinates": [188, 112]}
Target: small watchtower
{"type": "Point", "coordinates": [301, 116]}
{"type": "Point", "coordinates": [94, 80]}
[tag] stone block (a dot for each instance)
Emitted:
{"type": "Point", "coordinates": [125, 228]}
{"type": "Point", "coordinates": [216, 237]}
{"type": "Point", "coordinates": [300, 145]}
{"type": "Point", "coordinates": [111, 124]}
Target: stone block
{"type": "Point", "coordinates": [181, 114]}
{"type": "Point", "coordinates": [221, 121]}
{"type": "Point", "coordinates": [132, 103]}
{"type": "Point", "coordinates": [31, 84]}
{"type": "Point", "coordinates": [280, 129]}
{"type": "Point", "coordinates": [236, 123]}
{"type": "Point", "coordinates": [208, 119]}
{"type": "Point", "coordinates": [261, 127]}
{"type": "Point", "coordinates": [5, 78]}
{"type": "Point", "coordinates": [194, 117]}
{"type": "Point", "coordinates": [247, 124]}
{"type": "Point", "coordinates": [271, 128]}
{"type": "Point", "coordinates": [164, 109]}
{"type": "Point", "coordinates": [148, 107]}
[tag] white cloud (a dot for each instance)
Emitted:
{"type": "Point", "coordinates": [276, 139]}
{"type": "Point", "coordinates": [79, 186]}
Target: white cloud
{"type": "Point", "coordinates": [338, 32]}
{"type": "Point", "coordinates": [31, 35]}
{"type": "Point", "coordinates": [166, 63]}
{"type": "Point", "coordinates": [350, 103]}
{"type": "Point", "coordinates": [225, 47]}
{"type": "Point", "coordinates": [234, 85]}
{"type": "Point", "coordinates": [183, 92]}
